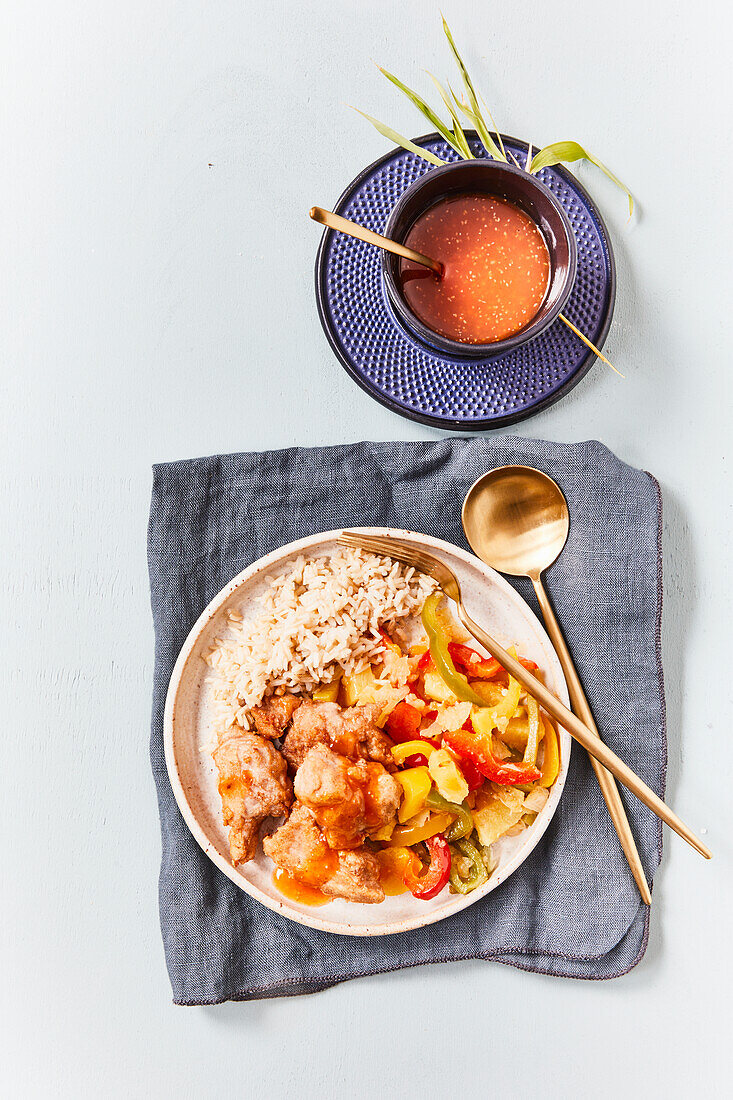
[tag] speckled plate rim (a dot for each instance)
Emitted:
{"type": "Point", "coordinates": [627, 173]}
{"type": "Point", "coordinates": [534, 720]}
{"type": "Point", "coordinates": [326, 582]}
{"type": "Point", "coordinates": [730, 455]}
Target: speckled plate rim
{"type": "Point", "coordinates": [449, 423]}
{"type": "Point", "coordinates": [283, 906]}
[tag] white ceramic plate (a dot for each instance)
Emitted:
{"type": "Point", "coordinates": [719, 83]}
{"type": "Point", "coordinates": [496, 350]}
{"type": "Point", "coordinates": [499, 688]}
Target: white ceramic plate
{"type": "Point", "coordinates": [489, 599]}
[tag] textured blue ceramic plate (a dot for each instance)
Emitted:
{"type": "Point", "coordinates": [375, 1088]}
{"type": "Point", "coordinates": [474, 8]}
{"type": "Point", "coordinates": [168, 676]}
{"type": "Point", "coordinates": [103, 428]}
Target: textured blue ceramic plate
{"type": "Point", "coordinates": [420, 383]}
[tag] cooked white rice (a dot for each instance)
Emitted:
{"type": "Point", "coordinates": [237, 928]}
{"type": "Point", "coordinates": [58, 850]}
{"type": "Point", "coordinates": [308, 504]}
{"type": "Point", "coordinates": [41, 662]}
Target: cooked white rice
{"type": "Point", "coordinates": [320, 619]}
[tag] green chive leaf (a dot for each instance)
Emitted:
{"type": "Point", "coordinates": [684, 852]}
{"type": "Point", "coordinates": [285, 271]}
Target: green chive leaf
{"type": "Point", "coordinates": [474, 113]}
{"type": "Point", "coordinates": [398, 139]}
{"type": "Point", "coordinates": [425, 109]}
{"type": "Point", "coordinates": [458, 133]}
{"type": "Point", "coordinates": [568, 151]}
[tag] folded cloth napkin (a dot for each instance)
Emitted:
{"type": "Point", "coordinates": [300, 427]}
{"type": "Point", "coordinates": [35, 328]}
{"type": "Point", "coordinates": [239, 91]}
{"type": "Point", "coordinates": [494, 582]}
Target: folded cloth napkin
{"type": "Point", "coordinates": [572, 909]}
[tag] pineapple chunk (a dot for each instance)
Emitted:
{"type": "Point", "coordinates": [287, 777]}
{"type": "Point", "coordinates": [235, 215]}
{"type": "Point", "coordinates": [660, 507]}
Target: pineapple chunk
{"type": "Point", "coordinates": [437, 689]}
{"type": "Point", "coordinates": [357, 685]}
{"type": "Point", "coordinates": [498, 808]}
{"type": "Point", "coordinates": [447, 776]}
{"type": "Point", "coordinates": [363, 688]}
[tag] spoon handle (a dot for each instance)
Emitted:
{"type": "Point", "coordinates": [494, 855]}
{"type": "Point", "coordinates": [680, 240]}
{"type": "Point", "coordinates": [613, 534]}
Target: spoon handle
{"type": "Point", "coordinates": [353, 229]}
{"type": "Point", "coordinates": [579, 731]}
{"type": "Point", "coordinates": [580, 705]}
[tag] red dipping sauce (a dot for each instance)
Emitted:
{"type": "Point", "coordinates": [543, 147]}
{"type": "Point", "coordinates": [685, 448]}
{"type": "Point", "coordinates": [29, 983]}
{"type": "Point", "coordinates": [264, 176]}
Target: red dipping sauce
{"type": "Point", "coordinates": [496, 269]}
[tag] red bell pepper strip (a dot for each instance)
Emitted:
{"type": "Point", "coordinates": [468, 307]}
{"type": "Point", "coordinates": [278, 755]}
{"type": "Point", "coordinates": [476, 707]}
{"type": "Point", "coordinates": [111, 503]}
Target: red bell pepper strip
{"type": "Point", "coordinates": [403, 723]}
{"type": "Point", "coordinates": [471, 774]}
{"type": "Point", "coordinates": [469, 746]}
{"type": "Point", "coordinates": [430, 884]}
{"type": "Point", "coordinates": [417, 760]}
{"type": "Point", "coordinates": [485, 668]}
{"type": "Point", "coordinates": [422, 666]}
{"type": "Point", "coordinates": [480, 668]}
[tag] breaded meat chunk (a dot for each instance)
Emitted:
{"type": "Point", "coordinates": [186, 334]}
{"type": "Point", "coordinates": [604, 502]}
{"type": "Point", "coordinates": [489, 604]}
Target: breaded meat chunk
{"type": "Point", "coordinates": [351, 732]}
{"type": "Point", "coordinates": [300, 849]}
{"type": "Point", "coordinates": [357, 878]}
{"type": "Point", "coordinates": [348, 799]}
{"type": "Point", "coordinates": [253, 784]}
{"type": "Point", "coordinates": [273, 716]}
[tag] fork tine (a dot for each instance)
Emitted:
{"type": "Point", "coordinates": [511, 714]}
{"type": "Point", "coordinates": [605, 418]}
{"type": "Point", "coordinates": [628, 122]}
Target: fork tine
{"type": "Point", "coordinates": [408, 554]}
{"type": "Point", "coordinates": [395, 548]}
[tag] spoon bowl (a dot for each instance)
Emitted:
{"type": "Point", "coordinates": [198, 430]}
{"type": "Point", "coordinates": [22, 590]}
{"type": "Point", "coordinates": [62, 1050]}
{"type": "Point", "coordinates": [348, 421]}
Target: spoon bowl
{"type": "Point", "coordinates": [516, 520]}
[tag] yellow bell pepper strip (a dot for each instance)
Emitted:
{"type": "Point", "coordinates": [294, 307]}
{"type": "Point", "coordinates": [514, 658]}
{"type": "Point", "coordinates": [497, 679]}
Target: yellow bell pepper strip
{"type": "Point", "coordinates": [485, 721]}
{"type": "Point", "coordinates": [400, 753]}
{"type": "Point", "coordinates": [533, 736]}
{"type": "Point", "coordinates": [477, 875]}
{"type": "Point", "coordinates": [430, 884]}
{"type": "Point", "coordinates": [479, 751]}
{"type": "Point", "coordinates": [463, 823]}
{"type": "Point", "coordinates": [408, 834]}
{"type": "Point", "coordinates": [393, 866]}
{"type": "Point", "coordinates": [516, 731]}
{"type": "Point", "coordinates": [416, 784]}
{"type": "Point", "coordinates": [327, 693]}
{"type": "Point", "coordinates": [507, 706]}
{"type": "Point", "coordinates": [439, 642]}
{"type": "Point", "coordinates": [551, 762]}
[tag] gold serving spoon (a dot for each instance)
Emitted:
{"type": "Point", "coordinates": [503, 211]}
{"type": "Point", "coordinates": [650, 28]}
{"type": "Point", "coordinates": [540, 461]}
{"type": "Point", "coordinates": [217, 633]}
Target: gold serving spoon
{"type": "Point", "coordinates": [411, 554]}
{"type": "Point", "coordinates": [352, 229]}
{"type": "Point", "coordinates": [517, 521]}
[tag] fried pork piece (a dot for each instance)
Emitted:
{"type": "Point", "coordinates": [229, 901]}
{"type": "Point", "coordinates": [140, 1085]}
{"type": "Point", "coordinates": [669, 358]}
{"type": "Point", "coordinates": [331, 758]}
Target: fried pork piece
{"type": "Point", "coordinates": [351, 733]}
{"type": "Point", "coordinates": [300, 849]}
{"type": "Point", "coordinates": [357, 878]}
{"type": "Point", "coordinates": [253, 784]}
{"type": "Point", "coordinates": [348, 800]}
{"type": "Point", "coordinates": [272, 717]}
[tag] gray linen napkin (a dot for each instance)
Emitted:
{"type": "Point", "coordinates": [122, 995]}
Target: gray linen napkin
{"type": "Point", "coordinates": [572, 909]}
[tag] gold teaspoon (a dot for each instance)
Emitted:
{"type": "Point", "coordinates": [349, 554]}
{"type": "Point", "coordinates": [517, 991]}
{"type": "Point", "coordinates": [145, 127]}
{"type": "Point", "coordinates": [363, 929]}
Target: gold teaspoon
{"type": "Point", "coordinates": [517, 521]}
{"type": "Point", "coordinates": [343, 225]}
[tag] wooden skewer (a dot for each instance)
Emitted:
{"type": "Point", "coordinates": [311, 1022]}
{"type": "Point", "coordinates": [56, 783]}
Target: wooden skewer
{"type": "Point", "coordinates": [588, 344]}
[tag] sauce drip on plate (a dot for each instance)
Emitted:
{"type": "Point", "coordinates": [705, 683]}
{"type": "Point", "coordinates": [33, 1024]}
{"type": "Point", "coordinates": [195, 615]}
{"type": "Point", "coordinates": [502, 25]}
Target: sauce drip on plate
{"type": "Point", "coordinates": [299, 891]}
{"type": "Point", "coordinates": [496, 269]}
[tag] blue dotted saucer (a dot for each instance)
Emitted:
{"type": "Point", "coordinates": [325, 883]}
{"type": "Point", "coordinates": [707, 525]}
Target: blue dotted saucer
{"type": "Point", "coordinates": [429, 386]}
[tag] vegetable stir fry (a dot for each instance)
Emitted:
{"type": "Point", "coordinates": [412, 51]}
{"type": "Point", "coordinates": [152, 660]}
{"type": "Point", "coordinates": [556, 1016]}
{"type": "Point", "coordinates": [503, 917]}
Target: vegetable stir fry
{"type": "Point", "coordinates": [475, 757]}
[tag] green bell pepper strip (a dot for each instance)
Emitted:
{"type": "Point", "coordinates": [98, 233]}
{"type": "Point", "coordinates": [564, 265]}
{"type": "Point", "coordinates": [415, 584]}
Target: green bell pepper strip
{"type": "Point", "coordinates": [439, 642]}
{"type": "Point", "coordinates": [462, 826]}
{"type": "Point", "coordinates": [478, 874]}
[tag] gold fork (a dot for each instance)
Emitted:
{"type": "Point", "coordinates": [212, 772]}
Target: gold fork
{"type": "Point", "coordinates": [447, 581]}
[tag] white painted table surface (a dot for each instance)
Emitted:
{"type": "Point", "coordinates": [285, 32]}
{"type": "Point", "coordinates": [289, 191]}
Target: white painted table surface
{"type": "Point", "coordinates": [159, 161]}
